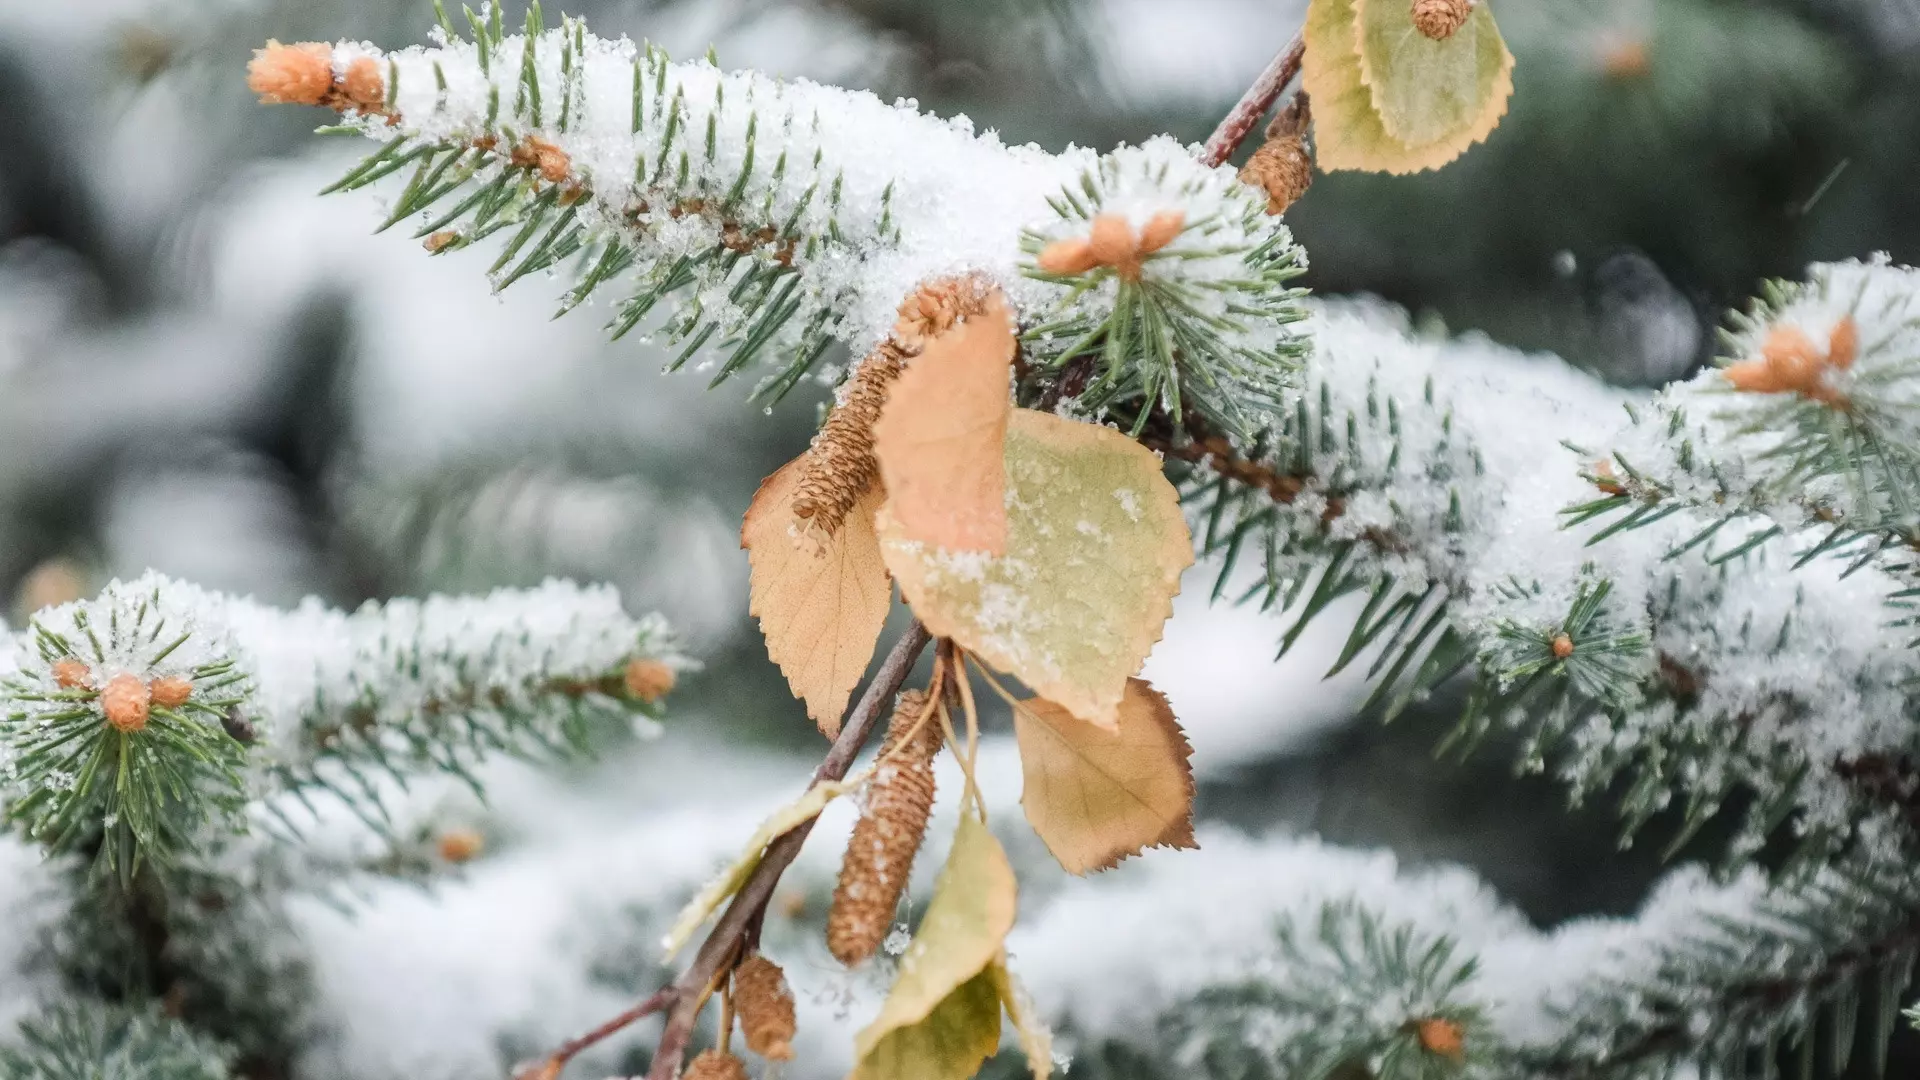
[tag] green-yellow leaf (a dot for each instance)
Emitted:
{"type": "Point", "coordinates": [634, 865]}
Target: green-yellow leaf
{"type": "Point", "coordinates": [1097, 796]}
{"type": "Point", "coordinates": [1349, 92]}
{"type": "Point", "coordinates": [945, 987]}
{"type": "Point", "coordinates": [1431, 92]}
{"type": "Point", "coordinates": [716, 892]}
{"type": "Point", "coordinates": [1096, 543]}
{"type": "Point", "coordinates": [951, 1043]}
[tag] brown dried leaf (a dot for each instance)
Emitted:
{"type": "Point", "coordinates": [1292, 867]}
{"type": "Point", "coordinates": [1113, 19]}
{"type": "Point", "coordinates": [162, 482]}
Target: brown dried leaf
{"type": "Point", "coordinates": [1097, 796]}
{"type": "Point", "coordinates": [821, 601]}
{"type": "Point", "coordinates": [940, 440]}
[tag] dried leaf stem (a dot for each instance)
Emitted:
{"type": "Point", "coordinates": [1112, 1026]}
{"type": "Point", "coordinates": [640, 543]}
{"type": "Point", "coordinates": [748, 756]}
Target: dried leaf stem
{"type": "Point", "coordinates": [1253, 104]}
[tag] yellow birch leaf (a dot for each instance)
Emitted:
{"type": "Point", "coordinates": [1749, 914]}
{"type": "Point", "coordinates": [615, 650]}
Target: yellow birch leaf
{"type": "Point", "coordinates": [1097, 796]}
{"type": "Point", "coordinates": [1348, 129]}
{"type": "Point", "coordinates": [1096, 543]}
{"type": "Point", "coordinates": [708, 899]}
{"type": "Point", "coordinates": [945, 987]}
{"type": "Point", "coordinates": [1036, 1040]}
{"type": "Point", "coordinates": [1433, 93]}
{"type": "Point", "coordinates": [821, 600]}
{"type": "Point", "coordinates": [939, 438]}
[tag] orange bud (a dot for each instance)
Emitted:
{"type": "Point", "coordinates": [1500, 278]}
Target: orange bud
{"type": "Point", "coordinates": [1441, 1036]}
{"type": "Point", "coordinates": [1790, 361]}
{"type": "Point", "coordinates": [1068, 257]}
{"type": "Point", "coordinates": [69, 672]}
{"type": "Point", "coordinates": [649, 680]}
{"type": "Point", "coordinates": [1626, 59]}
{"type": "Point", "coordinates": [1162, 229]}
{"type": "Point", "coordinates": [170, 692]}
{"type": "Point", "coordinates": [1112, 240]}
{"type": "Point", "coordinates": [363, 85]}
{"type": "Point", "coordinates": [125, 701]}
{"type": "Point", "coordinates": [299, 74]}
{"type": "Point", "coordinates": [1606, 479]}
{"type": "Point", "coordinates": [1562, 647]}
{"type": "Point", "coordinates": [1843, 345]}
{"type": "Point", "coordinates": [461, 845]}
{"type": "Point", "coordinates": [440, 241]}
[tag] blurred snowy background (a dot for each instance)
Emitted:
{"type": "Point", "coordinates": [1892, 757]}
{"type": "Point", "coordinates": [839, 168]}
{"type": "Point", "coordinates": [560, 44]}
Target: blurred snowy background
{"type": "Point", "coordinates": [207, 370]}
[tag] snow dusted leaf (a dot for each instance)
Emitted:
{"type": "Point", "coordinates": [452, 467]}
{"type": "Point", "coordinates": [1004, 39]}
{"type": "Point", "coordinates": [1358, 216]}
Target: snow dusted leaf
{"type": "Point", "coordinates": [1036, 1039]}
{"type": "Point", "coordinates": [939, 440]}
{"type": "Point", "coordinates": [1387, 98]}
{"type": "Point", "coordinates": [1095, 548]}
{"type": "Point", "coordinates": [821, 599]}
{"type": "Point", "coordinates": [942, 1017]}
{"type": "Point", "coordinates": [708, 899]}
{"type": "Point", "coordinates": [1096, 796]}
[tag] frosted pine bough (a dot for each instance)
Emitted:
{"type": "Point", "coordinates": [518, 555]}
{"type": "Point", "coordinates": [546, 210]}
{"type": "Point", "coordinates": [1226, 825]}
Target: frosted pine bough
{"type": "Point", "coordinates": [194, 811]}
{"type": "Point", "coordinates": [772, 211]}
{"type": "Point", "coordinates": [1428, 477]}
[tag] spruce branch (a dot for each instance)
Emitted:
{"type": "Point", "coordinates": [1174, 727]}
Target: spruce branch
{"type": "Point", "coordinates": [84, 1039]}
{"type": "Point", "coordinates": [1748, 990]}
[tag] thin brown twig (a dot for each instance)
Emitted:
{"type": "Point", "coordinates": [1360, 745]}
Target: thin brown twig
{"type": "Point", "coordinates": [1253, 104]}
{"type": "Point", "coordinates": [686, 995]}
{"type": "Point", "coordinates": [723, 943]}
{"type": "Point", "coordinates": [549, 1067]}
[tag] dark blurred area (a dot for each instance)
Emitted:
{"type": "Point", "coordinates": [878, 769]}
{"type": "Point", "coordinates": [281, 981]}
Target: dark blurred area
{"type": "Point", "coordinates": [207, 369]}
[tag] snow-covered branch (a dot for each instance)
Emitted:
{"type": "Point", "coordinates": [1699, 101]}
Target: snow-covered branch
{"type": "Point", "coordinates": [774, 218]}
{"type": "Point", "coordinates": [131, 718]}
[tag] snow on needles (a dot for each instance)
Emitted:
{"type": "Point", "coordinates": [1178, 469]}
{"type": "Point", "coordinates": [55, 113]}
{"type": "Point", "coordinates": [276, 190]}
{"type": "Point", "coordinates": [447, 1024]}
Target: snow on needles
{"type": "Point", "coordinates": [875, 197]}
{"type": "Point", "coordinates": [394, 666]}
{"type": "Point", "coordinates": [1794, 659]}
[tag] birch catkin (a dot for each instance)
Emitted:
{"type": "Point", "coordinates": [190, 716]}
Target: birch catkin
{"type": "Point", "coordinates": [764, 1006]}
{"type": "Point", "coordinates": [1283, 168]}
{"type": "Point", "coordinates": [880, 855]}
{"type": "Point", "coordinates": [715, 1065]}
{"type": "Point", "coordinates": [840, 464]}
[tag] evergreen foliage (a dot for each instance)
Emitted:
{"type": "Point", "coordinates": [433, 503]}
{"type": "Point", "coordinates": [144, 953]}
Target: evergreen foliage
{"type": "Point", "coordinates": [1696, 613]}
{"type": "Point", "coordinates": [97, 1041]}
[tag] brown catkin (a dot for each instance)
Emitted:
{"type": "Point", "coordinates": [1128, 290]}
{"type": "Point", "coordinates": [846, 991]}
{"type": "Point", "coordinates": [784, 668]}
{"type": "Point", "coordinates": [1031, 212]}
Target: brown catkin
{"type": "Point", "coordinates": [764, 1005]}
{"type": "Point", "coordinates": [715, 1065]}
{"type": "Point", "coordinates": [840, 466]}
{"type": "Point", "coordinates": [1283, 168]}
{"type": "Point", "coordinates": [880, 855]}
{"type": "Point", "coordinates": [1441, 19]}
